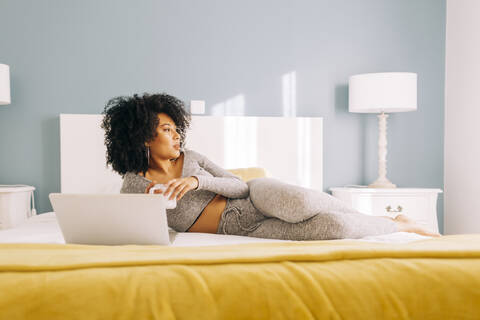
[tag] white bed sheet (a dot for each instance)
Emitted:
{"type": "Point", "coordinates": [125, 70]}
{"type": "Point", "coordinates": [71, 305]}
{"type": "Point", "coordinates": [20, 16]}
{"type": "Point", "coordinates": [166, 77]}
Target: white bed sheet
{"type": "Point", "coordinates": [43, 228]}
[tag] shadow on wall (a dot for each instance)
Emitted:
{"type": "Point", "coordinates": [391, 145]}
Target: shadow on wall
{"type": "Point", "coordinates": [50, 133]}
{"type": "Point", "coordinates": [341, 99]}
{"type": "Point", "coordinates": [341, 110]}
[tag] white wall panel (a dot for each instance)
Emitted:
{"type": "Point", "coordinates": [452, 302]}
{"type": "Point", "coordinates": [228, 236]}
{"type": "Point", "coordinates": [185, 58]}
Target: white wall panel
{"type": "Point", "coordinates": [289, 148]}
{"type": "Point", "coordinates": [462, 117]}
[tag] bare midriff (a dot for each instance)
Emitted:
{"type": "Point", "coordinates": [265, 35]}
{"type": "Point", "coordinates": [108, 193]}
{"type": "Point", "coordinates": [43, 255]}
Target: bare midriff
{"type": "Point", "coordinates": [210, 217]}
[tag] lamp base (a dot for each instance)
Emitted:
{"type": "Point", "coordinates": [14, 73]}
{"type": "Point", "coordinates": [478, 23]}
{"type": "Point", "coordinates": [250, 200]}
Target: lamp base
{"type": "Point", "coordinates": [382, 183]}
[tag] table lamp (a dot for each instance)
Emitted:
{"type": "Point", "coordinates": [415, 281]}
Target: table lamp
{"type": "Point", "coordinates": [382, 93]}
{"type": "Point", "coordinates": [4, 84]}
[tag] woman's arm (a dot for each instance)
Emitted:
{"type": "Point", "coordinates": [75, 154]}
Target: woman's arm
{"type": "Point", "coordinates": [223, 182]}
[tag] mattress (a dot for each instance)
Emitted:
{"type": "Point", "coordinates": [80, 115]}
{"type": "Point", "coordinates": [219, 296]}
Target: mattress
{"type": "Point", "coordinates": [43, 228]}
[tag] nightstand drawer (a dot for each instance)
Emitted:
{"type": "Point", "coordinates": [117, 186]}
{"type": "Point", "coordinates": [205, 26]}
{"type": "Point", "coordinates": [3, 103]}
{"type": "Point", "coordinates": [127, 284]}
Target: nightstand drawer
{"type": "Point", "coordinates": [419, 204]}
{"type": "Point", "coordinates": [414, 207]}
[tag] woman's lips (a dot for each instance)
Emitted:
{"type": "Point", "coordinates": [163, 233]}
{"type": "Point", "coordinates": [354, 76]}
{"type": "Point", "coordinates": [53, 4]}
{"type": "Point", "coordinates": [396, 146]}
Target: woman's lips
{"type": "Point", "coordinates": [177, 146]}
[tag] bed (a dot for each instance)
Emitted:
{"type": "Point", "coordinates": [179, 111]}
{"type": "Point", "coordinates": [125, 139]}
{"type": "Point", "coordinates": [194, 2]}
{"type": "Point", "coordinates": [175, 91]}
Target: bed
{"type": "Point", "coordinates": [207, 276]}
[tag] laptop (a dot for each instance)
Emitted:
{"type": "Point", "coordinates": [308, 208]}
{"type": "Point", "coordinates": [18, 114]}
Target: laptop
{"type": "Point", "coordinates": [111, 219]}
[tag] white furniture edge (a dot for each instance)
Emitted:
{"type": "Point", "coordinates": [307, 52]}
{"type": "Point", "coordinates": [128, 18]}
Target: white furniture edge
{"type": "Point", "coordinates": [393, 191]}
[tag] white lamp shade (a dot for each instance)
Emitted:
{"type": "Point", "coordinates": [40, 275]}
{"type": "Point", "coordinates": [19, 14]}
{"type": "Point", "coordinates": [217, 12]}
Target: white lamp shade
{"type": "Point", "coordinates": [382, 92]}
{"type": "Point", "coordinates": [4, 84]}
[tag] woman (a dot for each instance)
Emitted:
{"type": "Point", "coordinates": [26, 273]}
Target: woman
{"type": "Point", "coordinates": [145, 137]}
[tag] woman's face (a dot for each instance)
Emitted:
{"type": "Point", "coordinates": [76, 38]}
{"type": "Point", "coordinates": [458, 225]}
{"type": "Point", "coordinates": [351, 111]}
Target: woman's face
{"type": "Point", "coordinates": [166, 144]}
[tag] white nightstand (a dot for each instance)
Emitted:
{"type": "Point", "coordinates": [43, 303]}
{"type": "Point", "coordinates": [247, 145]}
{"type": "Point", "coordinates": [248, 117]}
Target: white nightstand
{"type": "Point", "coordinates": [15, 205]}
{"type": "Point", "coordinates": [418, 204]}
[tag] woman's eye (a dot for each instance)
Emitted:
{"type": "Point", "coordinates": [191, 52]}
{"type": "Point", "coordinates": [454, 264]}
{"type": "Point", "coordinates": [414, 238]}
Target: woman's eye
{"type": "Point", "coordinates": [167, 129]}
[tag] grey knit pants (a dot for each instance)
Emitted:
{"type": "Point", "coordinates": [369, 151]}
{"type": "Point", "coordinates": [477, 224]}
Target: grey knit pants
{"type": "Point", "coordinates": [277, 210]}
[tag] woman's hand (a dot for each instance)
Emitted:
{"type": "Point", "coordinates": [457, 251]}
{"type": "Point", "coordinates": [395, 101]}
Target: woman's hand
{"type": "Point", "coordinates": [147, 190]}
{"type": "Point", "coordinates": [178, 187]}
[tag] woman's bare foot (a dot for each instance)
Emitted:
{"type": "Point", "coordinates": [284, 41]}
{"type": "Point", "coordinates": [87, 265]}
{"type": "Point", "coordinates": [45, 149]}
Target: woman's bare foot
{"type": "Point", "coordinates": [406, 224]}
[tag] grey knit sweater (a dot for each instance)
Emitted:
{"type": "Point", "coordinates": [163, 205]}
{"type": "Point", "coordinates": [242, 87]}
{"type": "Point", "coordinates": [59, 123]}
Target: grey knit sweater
{"type": "Point", "coordinates": [212, 180]}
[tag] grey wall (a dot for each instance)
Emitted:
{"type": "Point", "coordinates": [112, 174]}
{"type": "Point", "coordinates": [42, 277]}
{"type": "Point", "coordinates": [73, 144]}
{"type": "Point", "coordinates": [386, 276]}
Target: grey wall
{"type": "Point", "coordinates": [72, 56]}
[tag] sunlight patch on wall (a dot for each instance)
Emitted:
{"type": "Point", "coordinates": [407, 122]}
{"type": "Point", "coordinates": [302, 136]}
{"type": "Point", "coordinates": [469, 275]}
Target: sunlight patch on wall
{"type": "Point", "coordinates": [304, 166]}
{"type": "Point", "coordinates": [240, 134]}
{"type": "Point", "coordinates": [240, 142]}
{"type": "Point", "coordinates": [234, 106]}
{"type": "Point", "coordinates": [289, 94]}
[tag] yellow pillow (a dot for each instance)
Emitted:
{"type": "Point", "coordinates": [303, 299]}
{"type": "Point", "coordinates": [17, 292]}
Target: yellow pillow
{"type": "Point", "coordinates": [249, 173]}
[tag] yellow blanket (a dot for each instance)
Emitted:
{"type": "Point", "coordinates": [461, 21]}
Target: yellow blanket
{"type": "Point", "coordinates": [339, 279]}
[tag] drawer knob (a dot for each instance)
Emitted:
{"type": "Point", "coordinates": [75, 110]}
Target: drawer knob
{"type": "Point", "coordinates": [389, 209]}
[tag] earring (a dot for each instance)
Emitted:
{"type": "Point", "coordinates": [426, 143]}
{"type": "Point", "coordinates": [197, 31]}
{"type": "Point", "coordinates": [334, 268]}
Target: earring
{"type": "Point", "coordinates": [148, 156]}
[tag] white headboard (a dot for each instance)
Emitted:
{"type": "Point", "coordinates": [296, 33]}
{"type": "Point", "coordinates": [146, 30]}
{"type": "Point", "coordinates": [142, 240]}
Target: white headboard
{"type": "Point", "coordinates": [290, 149]}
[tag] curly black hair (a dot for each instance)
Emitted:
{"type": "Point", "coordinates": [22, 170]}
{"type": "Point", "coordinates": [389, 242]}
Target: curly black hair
{"type": "Point", "coordinates": [129, 122]}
